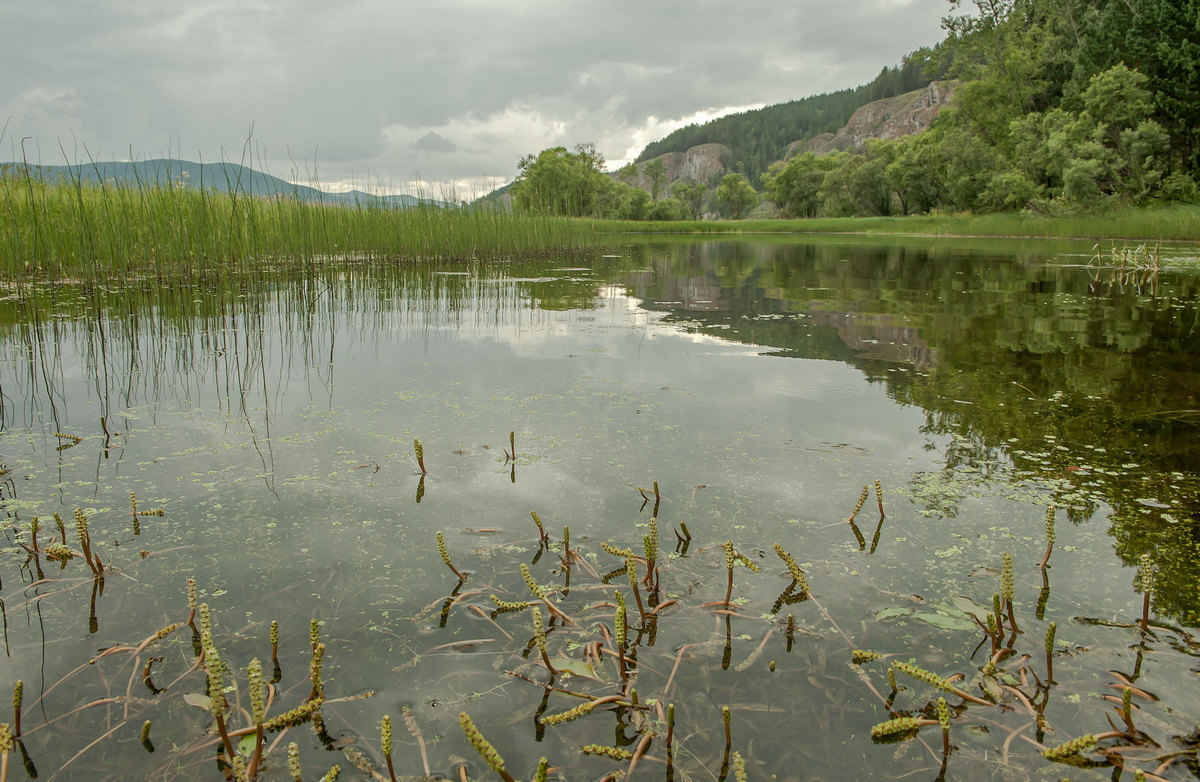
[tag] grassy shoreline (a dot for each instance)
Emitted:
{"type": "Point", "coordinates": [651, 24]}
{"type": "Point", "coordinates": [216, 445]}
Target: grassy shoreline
{"type": "Point", "coordinates": [75, 230]}
{"type": "Point", "coordinates": [1170, 223]}
{"type": "Point", "coordinates": [91, 232]}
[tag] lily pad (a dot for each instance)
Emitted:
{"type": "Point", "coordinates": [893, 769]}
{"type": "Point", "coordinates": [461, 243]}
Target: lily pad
{"type": "Point", "coordinates": [888, 613]}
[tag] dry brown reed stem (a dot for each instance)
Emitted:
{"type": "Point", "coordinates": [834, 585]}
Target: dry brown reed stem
{"type": "Point", "coordinates": [415, 730]}
{"type": "Point", "coordinates": [486, 618]}
{"type": "Point", "coordinates": [642, 745]}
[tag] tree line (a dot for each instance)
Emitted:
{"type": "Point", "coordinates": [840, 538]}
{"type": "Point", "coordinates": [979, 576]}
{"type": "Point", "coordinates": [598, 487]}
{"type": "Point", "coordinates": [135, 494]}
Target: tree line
{"type": "Point", "coordinates": [1061, 105]}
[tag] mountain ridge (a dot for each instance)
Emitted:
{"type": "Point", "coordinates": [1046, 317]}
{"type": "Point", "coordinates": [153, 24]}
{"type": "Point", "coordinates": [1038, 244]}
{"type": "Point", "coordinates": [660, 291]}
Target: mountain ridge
{"type": "Point", "coordinates": [222, 177]}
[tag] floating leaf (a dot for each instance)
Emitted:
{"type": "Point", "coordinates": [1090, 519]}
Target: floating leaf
{"type": "Point", "coordinates": [969, 606]}
{"type": "Point", "coordinates": [946, 622]}
{"type": "Point", "coordinates": [577, 667]}
{"type": "Point", "coordinates": [246, 744]}
{"type": "Point", "coordinates": [888, 613]}
{"type": "Point", "coordinates": [199, 700]}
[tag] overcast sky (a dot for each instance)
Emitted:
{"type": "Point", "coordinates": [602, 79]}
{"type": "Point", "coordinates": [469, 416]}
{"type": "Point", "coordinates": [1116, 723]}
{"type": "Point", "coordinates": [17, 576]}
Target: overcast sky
{"type": "Point", "coordinates": [391, 92]}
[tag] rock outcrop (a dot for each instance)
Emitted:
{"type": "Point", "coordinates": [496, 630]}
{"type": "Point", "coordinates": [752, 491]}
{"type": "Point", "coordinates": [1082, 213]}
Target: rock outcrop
{"type": "Point", "coordinates": [890, 118]}
{"type": "Point", "coordinates": [701, 163]}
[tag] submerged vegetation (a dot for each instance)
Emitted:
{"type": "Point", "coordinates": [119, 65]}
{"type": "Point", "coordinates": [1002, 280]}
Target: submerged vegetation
{"type": "Point", "coordinates": [593, 665]}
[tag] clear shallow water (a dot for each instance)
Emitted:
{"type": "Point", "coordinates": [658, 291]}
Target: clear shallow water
{"type": "Point", "coordinates": [762, 385]}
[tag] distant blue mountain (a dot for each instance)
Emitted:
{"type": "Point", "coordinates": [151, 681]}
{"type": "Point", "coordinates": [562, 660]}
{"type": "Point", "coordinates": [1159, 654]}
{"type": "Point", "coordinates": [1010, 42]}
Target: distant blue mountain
{"type": "Point", "coordinates": [223, 177]}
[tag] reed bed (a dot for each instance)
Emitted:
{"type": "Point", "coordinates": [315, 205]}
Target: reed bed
{"type": "Point", "coordinates": [1171, 223]}
{"type": "Point", "coordinates": [87, 231]}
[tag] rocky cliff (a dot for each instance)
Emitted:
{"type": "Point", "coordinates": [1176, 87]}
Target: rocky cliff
{"type": "Point", "coordinates": [701, 163]}
{"type": "Point", "coordinates": [903, 115]}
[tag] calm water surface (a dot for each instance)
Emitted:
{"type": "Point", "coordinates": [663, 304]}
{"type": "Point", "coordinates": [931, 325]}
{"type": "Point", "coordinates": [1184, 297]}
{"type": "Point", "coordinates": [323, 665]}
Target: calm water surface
{"type": "Point", "coordinates": [763, 385]}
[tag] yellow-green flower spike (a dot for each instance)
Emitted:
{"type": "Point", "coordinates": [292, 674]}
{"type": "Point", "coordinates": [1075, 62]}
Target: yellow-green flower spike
{"type": "Point", "coordinates": [191, 594]}
{"type": "Point", "coordinates": [293, 761]}
{"type": "Point", "coordinates": [793, 568]}
{"type": "Point", "coordinates": [274, 633]}
{"type": "Point", "coordinates": [507, 605]}
{"type": "Point", "coordinates": [1050, 525]}
{"type": "Point", "coordinates": [19, 695]}
{"type": "Point", "coordinates": [538, 521]}
{"type": "Point", "coordinates": [385, 734]}
{"type": "Point", "coordinates": [619, 622]}
{"type": "Point", "coordinates": [892, 679]}
{"type": "Point", "coordinates": [1072, 747]}
{"type": "Point", "coordinates": [443, 553]}
{"type": "Point", "coordinates": [1050, 631]}
{"type": "Point", "coordinates": [255, 678]}
{"type": "Point", "coordinates": [860, 656]}
{"type": "Point", "coordinates": [623, 553]}
{"type": "Point", "coordinates": [294, 716]}
{"type": "Point", "coordinates": [895, 727]}
{"type": "Point", "coordinates": [481, 745]}
{"type": "Point", "coordinates": [738, 763]}
{"type": "Point", "coordinates": [631, 571]}
{"type": "Point", "coordinates": [332, 774]}
{"type": "Point", "coordinates": [6, 739]}
{"type": "Point", "coordinates": [315, 670]}
{"type": "Point", "coordinates": [609, 752]}
{"type": "Point", "coordinates": [539, 630]}
{"type": "Point", "coordinates": [862, 498]}
{"type": "Point", "coordinates": [314, 633]}
{"type": "Point", "coordinates": [570, 714]}
{"type": "Point", "coordinates": [145, 731]}
{"type": "Point", "coordinates": [205, 624]}
{"type": "Point", "coordinates": [943, 712]}
{"type": "Point", "coordinates": [932, 679]}
{"type": "Point", "coordinates": [537, 589]}
{"type": "Point", "coordinates": [746, 563]}
{"type": "Point", "coordinates": [729, 558]}
{"type": "Point", "coordinates": [542, 767]}
{"type": "Point", "coordinates": [1006, 577]}
{"type": "Point", "coordinates": [418, 449]}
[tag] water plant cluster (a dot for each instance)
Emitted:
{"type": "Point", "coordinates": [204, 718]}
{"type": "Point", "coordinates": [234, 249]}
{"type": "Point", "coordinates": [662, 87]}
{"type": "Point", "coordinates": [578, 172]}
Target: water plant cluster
{"type": "Point", "coordinates": [603, 635]}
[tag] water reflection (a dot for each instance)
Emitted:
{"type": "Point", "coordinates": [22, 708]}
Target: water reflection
{"type": "Point", "coordinates": [276, 424]}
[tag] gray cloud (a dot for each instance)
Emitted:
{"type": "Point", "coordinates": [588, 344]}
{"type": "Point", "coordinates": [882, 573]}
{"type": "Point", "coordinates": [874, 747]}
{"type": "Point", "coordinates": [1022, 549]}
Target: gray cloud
{"type": "Point", "coordinates": [448, 88]}
{"type": "Point", "coordinates": [432, 142]}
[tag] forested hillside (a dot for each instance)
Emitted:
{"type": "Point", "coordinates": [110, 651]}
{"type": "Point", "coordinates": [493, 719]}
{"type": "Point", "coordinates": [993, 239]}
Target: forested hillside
{"type": "Point", "coordinates": [758, 138]}
{"type": "Point", "coordinates": [1059, 106]}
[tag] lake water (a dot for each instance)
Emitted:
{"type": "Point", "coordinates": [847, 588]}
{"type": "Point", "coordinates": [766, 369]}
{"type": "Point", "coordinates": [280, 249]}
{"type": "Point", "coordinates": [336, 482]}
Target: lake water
{"type": "Point", "coordinates": [762, 385]}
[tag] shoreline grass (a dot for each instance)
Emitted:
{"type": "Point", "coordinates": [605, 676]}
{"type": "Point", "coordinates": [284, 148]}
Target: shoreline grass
{"type": "Point", "coordinates": [78, 230]}
{"type": "Point", "coordinates": [1163, 223]}
{"type": "Point", "coordinates": [99, 231]}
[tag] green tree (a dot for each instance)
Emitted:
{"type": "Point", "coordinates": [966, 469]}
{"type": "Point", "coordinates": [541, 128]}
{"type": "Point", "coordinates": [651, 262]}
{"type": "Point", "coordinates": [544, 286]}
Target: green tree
{"type": "Point", "coordinates": [656, 171]}
{"type": "Point", "coordinates": [795, 186]}
{"type": "Point", "coordinates": [736, 195]}
{"type": "Point", "coordinates": [563, 183]}
{"type": "Point", "coordinates": [691, 194]}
